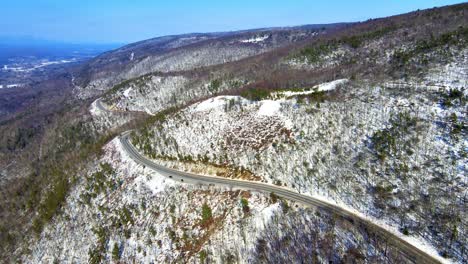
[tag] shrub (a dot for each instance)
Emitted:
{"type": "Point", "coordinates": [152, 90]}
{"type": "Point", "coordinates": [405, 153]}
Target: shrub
{"type": "Point", "coordinates": [357, 40]}
{"type": "Point", "coordinates": [405, 231]}
{"type": "Point", "coordinates": [96, 255]}
{"type": "Point", "coordinates": [21, 138]}
{"type": "Point", "coordinates": [274, 198]}
{"type": "Point", "coordinates": [285, 206]}
{"type": "Point", "coordinates": [126, 216]}
{"type": "Point", "coordinates": [99, 182]}
{"type": "Point", "coordinates": [245, 206]}
{"type": "Point", "coordinates": [383, 191]}
{"type": "Point", "coordinates": [385, 141]}
{"type": "Point", "coordinates": [314, 53]}
{"type": "Point", "coordinates": [458, 37]}
{"type": "Point", "coordinates": [116, 252]}
{"type": "Point", "coordinates": [53, 200]}
{"type": "Point", "coordinates": [256, 94]}
{"type": "Point", "coordinates": [203, 255]}
{"type": "Point", "coordinates": [353, 41]}
{"type": "Point", "coordinates": [452, 97]}
{"type": "Point", "coordinates": [206, 214]}
{"type": "Point", "coordinates": [214, 85]}
{"type": "Point", "coordinates": [457, 127]}
{"type": "Point", "coordinates": [172, 234]}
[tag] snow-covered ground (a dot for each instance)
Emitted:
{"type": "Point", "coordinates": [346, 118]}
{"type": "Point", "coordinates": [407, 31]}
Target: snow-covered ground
{"type": "Point", "coordinates": [39, 65]}
{"type": "Point", "coordinates": [324, 87]}
{"type": "Point", "coordinates": [103, 119]}
{"type": "Point", "coordinates": [152, 94]}
{"type": "Point", "coordinates": [324, 148]}
{"type": "Point", "coordinates": [10, 85]}
{"type": "Point", "coordinates": [151, 219]}
{"type": "Point", "coordinates": [215, 103]}
{"type": "Point", "coordinates": [269, 108]}
{"type": "Point", "coordinates": [255, 39]}
{"type": "Point", "coordinates": [165, 223]}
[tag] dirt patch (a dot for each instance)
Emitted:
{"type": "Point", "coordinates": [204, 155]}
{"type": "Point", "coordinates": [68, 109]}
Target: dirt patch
{"type": "Point", "coordinates": [219, 170]}
{"type": "Point", "coordinates": [256, 132]}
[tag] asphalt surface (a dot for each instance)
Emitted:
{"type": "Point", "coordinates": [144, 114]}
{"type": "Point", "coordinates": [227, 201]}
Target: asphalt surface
{"type": "Point", "coordinates": [100, 106]}
{"type": "Point", "coordinates": [411, 253]}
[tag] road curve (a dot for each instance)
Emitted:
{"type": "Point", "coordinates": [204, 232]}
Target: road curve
{"type": "Point", "coordinates": [411, 252]}
{"type": "Point", "coordinates": [100, 106]}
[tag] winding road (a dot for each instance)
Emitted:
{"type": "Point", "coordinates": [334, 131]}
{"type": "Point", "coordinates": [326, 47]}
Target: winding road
{"type": "Point", "coordinates": [100, 106]}
{"type": "Point", "coordinates": [410, 251]}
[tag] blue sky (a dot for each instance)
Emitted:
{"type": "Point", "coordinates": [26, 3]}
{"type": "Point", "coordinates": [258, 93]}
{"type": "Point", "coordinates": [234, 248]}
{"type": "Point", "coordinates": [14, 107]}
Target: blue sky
{"type": "Point", "coordinates": [124, 21]}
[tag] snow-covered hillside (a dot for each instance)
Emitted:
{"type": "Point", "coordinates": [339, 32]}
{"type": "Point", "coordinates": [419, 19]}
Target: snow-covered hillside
{"type": "Point", "coordinates": [121, 211]}
{"type": "Point", "coordinates": [180, 53]}
{"type": "Point", "coordinates": [366, 120]}
{"type": "Point", "coordinates": [106, 118]}
{"type": "Point", "coordinates": [389, 151]}
{"type": "Point", "coordinates": [154, 93]}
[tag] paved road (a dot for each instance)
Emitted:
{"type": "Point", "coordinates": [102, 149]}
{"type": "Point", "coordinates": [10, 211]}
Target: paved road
{"type": "Point", "coordinates": [101, 106]}
{"type": "Point", "coordinates": [412, 253]}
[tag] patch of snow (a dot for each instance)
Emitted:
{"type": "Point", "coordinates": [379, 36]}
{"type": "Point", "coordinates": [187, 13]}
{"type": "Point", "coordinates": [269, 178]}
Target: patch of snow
{"type": "Point", "coordinates": [269, 108]}
{"type": "Point", "coordinates": [93, 109]}
{"type": "Point", "coordinates": [35, 67]}
{"type": "Point", "coordinates": [151, 179]}
{"type": "Point", "coordinates": [214, 103]}
{"type": "Point", "coordinates": [149, 111]}
{"type": "Point", "coordinates": [127, 92]}
{"type": "Point", "coordinates": [16, 69]}
{"type": "Point", "coordinates": [210, 104]}
{"type": "Point", "coordinates": [255, 40]}
{"type": "Point", "coordinates": [318, 88]}
{"type": "Point", "coordinates": [266, 214]}
{"type": "Point", "coordinates": [11, 85]}
{"type": "Point", "coordinates": [331, 85]}
{"type": "Point", "coordinates": [156, 184]}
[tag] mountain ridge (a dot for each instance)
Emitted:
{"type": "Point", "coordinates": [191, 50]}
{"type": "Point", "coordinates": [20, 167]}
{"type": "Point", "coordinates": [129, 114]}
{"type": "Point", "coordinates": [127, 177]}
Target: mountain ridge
{"type": "Point", "coordinates": [370, 115]}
